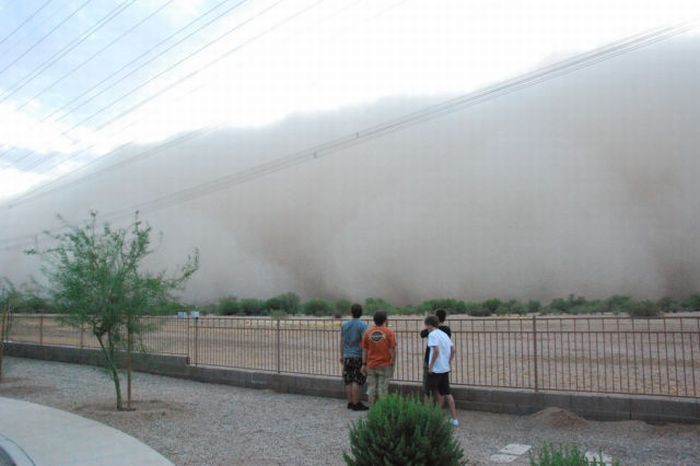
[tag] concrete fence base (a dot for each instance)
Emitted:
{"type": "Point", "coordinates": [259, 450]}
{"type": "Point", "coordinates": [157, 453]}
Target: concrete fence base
{"type": "Point", "coordinates": [590, 406]}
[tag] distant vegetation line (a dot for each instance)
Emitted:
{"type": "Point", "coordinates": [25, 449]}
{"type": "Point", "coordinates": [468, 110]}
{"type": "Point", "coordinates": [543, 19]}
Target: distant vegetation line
{"type": "Point", "coordinates": [291, 304]}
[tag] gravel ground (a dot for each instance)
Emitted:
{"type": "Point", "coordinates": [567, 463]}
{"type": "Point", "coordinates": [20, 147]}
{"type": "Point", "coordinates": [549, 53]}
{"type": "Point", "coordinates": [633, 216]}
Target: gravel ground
{"type": "Point", "coordinates": [195, 423]}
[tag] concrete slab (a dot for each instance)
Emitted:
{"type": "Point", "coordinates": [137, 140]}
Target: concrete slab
{"type": "Point", "coordinates": [598, 458]}
{"type": "Point", "coordinates": [515, 449]}
{"type": "Point", "coordinates": [503, 459]}
{"type": "Point", "coordinates": [49, 436]}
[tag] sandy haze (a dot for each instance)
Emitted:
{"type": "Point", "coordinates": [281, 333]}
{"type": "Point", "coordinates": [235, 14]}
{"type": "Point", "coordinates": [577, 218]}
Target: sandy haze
{"type": "Point", "coordinates": [587, 184]}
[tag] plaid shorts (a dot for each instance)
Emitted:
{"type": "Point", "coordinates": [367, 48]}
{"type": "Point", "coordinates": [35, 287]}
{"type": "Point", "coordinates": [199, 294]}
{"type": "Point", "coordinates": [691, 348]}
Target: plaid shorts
{"type": "Point", "coordinates": [352, 371]}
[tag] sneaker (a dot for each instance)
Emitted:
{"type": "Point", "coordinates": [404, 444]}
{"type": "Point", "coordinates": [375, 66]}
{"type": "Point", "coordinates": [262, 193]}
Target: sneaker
{"type": "Point", "coordinates": [351, 406]}
{"type": "Point", "coordinates": [360, 407]}
{"type": "Point", "coordinates": [454, 422]}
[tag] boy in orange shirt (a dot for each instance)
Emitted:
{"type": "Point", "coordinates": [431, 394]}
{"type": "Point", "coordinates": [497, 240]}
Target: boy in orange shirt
{"type": "Point", "coordinates": [378, 355]}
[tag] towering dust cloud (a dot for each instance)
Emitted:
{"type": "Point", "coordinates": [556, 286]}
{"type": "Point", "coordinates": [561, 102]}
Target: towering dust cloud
{"type": "Point", "coordinates": [586, 184]}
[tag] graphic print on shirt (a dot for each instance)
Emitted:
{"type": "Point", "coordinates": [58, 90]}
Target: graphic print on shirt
{"type": "Point", "coordinates": [377, 336]}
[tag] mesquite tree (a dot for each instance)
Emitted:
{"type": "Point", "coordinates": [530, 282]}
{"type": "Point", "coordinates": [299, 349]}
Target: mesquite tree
{"type": "Point", "coordinates": [96, 279]}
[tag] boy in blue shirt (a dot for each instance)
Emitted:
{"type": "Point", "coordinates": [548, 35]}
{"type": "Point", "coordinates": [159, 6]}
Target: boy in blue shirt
{"type": "Point", "coordinates": [351, 333]}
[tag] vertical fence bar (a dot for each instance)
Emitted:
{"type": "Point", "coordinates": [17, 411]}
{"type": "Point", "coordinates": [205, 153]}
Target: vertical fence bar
{"type": "Point", "coordinates": [279, 350]}
{"type": "Point", "coordinates": [196, 340]}
{"type": "Point", "coordinates": [82, 336]}
{"type": "Point", "coordinates": [534, 347]}
{"type": "Point", "coordinates": [41, 329]}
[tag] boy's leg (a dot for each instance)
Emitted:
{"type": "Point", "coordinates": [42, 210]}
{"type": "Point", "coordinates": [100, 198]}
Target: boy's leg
{"type": "Point", "coordinates": [371, 385]}
{"type": "Point", "coordinates": [451, 405]}
{"type": "Point", "coordinates": [384, 375]}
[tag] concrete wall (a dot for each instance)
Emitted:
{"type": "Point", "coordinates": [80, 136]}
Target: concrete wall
{"type": "Point", "coordinates": [598, 407]}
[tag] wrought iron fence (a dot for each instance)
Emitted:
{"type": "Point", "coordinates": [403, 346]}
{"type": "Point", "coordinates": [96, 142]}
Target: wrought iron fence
{"type": "Point", "coordinates": [619, 355]}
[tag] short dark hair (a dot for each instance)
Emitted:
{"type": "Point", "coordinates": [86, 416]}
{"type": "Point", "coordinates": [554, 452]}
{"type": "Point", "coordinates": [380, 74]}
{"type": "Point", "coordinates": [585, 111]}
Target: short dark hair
{"type": "Point", "coordinates": [356, 310]}
{"type": "Point", "coordinates": [432, 321]}
{"type": "Point", "coordinates": [379, 318]}
{"type": "Point", "coordinates": [441, 314]}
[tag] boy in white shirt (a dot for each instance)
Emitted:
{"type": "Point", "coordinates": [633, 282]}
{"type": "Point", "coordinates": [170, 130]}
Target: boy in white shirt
{"type": "Point", "coordinates": [440, 361]}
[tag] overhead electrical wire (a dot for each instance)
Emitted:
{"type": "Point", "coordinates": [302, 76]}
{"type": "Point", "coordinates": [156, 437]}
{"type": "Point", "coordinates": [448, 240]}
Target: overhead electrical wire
{"type": "Point", "coordinates": [529, 79]}
{"type": "Point", "coordinates": [23, 23]}
{"type": "Point", "coordinates": [102, 22]}
{"type": "Point", "coordinates": [45, 36]}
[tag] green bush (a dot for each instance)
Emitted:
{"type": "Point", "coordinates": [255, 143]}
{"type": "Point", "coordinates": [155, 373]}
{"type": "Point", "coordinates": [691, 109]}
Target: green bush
{"type": "Point", "coordinates": [644, 308]}
{"type": "Point", "coordinates": [668, 304]}
{"type": "Point", "coordinates": [288, 303]}
{"type": "Point", "coordinates": [477, 310]}
{"type": "Point", "coordinates": [617, 303]}
{"type": "Point", "coordinates": [342, 307]}
{"type": "Point", "coordinates": [229, 306]}
{"type": "Point", "coordinates": [451, 306]}
{"type": "Point", "coordinates": [400, 431]}
{"type": "Point", "coordinates": [491, 305]}
{"type": "Point", "coordinates": [566, 455]}
{"type": "Point", "coordinates": [253, 307]}
{"type": "Point", "coordinates": [510, 308]}
{"type": "Point", "coordinates": [692, 302]}
{"type": "Point", "coordinates": [373, 305]}
{"type": "Point", "coordinates": [319, 308]}
{"type": "Point", "coordinates": [534, 306]}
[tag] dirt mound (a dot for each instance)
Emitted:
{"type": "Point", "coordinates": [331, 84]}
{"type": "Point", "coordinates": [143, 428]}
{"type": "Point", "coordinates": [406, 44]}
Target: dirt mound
{"type": "Point", "coordinates": [559, 418]}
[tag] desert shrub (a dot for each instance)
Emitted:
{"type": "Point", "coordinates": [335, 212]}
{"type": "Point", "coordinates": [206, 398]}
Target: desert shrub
{"type": "Point", "coordinates": [228, 306]}
{"type": "Point", "coordinates": [451, 306]}
{"type": "Point", "coordinates": [253, 307]}
{"type": "Point", "coordinates": [319, 308]}
{"type": "Point", "coordinates": [342, 307]}
{"type": "Point", "coordinates": [511, 307]}
{"type": "Point", "coordinates": [668, 304]}
{"type": "Point", "coordinates": [288, 303]}
{"type": "Point", "coordinates": [617, 303]}
{"type": "Point", "coordinates": [534, 306]}
{"type": "Point", "coordinates": [403, 431]}
{"type": "Point", "coordinates": [373, 305]}
{"type": "Point", "coordinates": [568, 305]}
{"type": "Point", "coordinates": [589, 307]}
{"type": "Point", "coordinates": [408, 310]}
{"type": "Point", "coordinates": [692, 302]}
{"type": "Point", "coordinates": [477, 310]}
{"type": "Point", "coordinates": [491, 305]}
{"type": "Point", "coordinates": [563, 455]}
{"type": "Point", "coordinates": [644, 308]}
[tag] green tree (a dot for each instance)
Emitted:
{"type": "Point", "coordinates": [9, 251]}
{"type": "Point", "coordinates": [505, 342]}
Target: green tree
{"type": "Point", "coordinates": [96, 279]}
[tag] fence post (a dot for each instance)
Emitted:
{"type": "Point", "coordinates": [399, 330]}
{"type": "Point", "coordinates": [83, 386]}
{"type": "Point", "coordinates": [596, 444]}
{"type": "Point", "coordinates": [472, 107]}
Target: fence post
{"type": "Point", "coordinates": [41, 329]}
{"type": "Point", "coordinates": [278, 346]}
{"type": "Point", "coordinates": [534, 345]}
{"type": "Point", "coordinates": [82, 336]}
{"type": "Point", "coordinates": [196, 339]}
{"type": "Point", "coordinates": [189, 358]}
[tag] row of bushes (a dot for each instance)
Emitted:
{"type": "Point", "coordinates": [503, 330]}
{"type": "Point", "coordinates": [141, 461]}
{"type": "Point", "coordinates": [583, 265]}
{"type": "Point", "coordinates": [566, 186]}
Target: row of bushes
{"type": "Point", "coordinates": [290, 303]}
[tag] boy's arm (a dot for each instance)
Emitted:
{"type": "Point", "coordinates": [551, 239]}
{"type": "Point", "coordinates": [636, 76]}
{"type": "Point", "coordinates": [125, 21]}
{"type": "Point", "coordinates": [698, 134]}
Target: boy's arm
{"type": "Point", "coordinates": [452, 355]}
{"type": "Point", "coordinates": [434, 355]}
{"type": "Point", "coordinates": [363, 369]}
{"type": "Point", "coordinates": [342, 347]}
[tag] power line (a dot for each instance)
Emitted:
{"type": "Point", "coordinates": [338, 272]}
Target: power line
{"type": "Point", "coordinates": [148, 51]}
{"type": "Point", "coordinates": [131, 62]}
{"type": "Point", "coordinates": [45, 36]}
{"type": "Point", "coordinates": [23, 23]}
{"type": "Point", "coordinates": [94, 55]}
{"type": "Point", "coordinates": [42, 191]}
{"type": "Point", "coordinates": [211, 63]}
{"type": "Point", "coordinates": [119, 9]}
{"type": "Point", "coordinates": [568, 66]}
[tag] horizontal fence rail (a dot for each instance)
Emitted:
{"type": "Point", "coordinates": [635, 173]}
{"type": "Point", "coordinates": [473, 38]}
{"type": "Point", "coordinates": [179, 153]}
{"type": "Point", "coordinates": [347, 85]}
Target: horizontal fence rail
{"type": "Point", "coordinates": [616, 355]}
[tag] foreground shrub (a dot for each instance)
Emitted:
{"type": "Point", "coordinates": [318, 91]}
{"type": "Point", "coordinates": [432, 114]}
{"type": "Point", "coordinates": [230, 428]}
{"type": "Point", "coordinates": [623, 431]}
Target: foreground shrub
{"type": "Point", "coordinates": [567, 455]}
{"type": "Point", "coordinates": [319, 308]}
{"type": "Point", "coordinates": [400, 431]}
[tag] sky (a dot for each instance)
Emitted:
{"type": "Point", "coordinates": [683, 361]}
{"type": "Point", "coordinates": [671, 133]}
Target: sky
{"type": "Point", "coordinates": [83, 77]}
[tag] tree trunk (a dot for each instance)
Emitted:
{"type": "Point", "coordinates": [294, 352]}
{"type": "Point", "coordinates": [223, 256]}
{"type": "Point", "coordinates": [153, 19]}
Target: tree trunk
{"type": "Point", "coordinates": [112, 367]}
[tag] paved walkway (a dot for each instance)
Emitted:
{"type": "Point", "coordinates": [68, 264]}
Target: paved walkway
{"type": "Point", "coordinates": [38, 435]}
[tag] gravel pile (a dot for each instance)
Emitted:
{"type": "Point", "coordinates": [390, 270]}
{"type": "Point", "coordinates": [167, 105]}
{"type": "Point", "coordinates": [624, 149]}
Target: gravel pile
{"type": "Point", "coordinates": [193, 423]}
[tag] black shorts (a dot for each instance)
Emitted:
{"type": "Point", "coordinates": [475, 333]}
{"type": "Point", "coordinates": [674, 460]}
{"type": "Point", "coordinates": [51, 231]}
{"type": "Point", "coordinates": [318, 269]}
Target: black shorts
{"type": "Point", "coordinates": [439, 383]}
{"type": "Point", "coordinates": [352, 371]}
